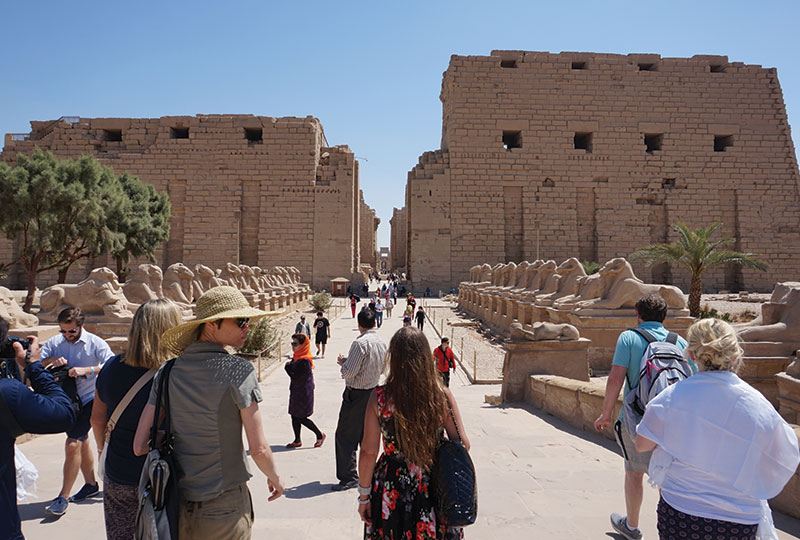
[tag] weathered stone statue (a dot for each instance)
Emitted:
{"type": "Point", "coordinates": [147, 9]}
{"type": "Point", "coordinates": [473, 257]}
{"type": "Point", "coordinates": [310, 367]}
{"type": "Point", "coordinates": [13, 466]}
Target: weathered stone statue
{"type": "Point", "coordinates": [100, 297]}
{"type": "Point", "coordinates": [231, 275]}
{"type": "Point", "coordinates": [144, 283]}
{"type": "Point", "coordinates": [178, 283]}
{"type": "Point", "coordinates": [570, 272]}
{"type": "Point", "coordinates": [622, 289]}
{"type": "Point", "coordinates": [545, 331]}
{"type": "Point", "coordinates": [780, 317]}
{"type": "Point", "coordinates": [12, 312]}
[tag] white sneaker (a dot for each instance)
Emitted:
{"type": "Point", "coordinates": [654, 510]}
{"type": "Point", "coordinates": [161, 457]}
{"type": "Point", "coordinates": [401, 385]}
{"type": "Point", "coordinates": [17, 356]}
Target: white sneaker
{"type": "Point", "coordinates": [620, 524]}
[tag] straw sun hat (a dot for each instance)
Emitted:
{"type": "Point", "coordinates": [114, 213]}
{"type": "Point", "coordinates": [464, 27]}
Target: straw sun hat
{"type": "Point", "coordinates": [218, 303]}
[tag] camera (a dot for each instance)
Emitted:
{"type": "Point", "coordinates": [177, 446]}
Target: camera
{"type": "Point", "coordinates": [8, 362]}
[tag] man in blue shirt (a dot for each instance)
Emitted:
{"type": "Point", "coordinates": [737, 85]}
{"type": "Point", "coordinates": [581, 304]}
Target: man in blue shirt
{"type": "Point", "coordinates": [85, 354]}
{"type": "Point", "coordinates": [45, 410]}
{"type": "Point", "coordinates": [651, 311]}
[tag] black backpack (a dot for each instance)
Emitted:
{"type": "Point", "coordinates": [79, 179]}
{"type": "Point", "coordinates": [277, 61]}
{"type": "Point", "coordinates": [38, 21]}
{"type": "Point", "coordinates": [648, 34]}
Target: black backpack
{"type": "Point", "coordinates": [69, 385]}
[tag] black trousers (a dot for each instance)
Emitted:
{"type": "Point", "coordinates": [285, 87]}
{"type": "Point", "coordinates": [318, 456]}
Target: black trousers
{"type": "Point", "coordinates": [349, 431]}
{"type": "Point", "coordinates": [445, 377]}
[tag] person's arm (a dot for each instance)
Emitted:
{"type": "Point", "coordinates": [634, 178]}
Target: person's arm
{"type": "Point", "coordinates": [450, 426]}
{"type": "Point", "coordinates": [329, 329]}
{"type": "Point", "coordinates": [643, 444]}
{"type": "Point", "coordinates": [99, 421]}
{"type": "Point", "coordinates": [141, 440]}
{"type": "Point", "coordinates": [259, 449]}
{"type": "Point", "coordinates": [616, 378]}
{"type": "Point", "coordinates": [368, 454]}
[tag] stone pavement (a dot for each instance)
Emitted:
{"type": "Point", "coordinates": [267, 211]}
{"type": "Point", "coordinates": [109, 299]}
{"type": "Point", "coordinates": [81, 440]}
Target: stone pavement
{"type": "Point", "coordinates": [537, 477]}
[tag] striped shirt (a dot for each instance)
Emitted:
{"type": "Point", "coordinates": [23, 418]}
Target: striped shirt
{"type": "Point", "coordinates": [365, 362]}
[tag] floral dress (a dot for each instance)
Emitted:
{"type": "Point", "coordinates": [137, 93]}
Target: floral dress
{"type": "Point", "coordinates": [400, 503]}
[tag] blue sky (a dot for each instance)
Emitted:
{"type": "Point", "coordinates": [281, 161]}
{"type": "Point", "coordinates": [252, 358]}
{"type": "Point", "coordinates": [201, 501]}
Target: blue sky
{"type": "Point", "coordinates": [370, 71]}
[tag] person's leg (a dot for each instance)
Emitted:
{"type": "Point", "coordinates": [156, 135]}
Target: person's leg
{"type": "Point", "coordinates": [72, 464]}
{"type": "Point", "coordinates": [120, 505]}
{"type": "Point", "coordinates": [634, 492]}
{"type": "Point", "coordinates": [317, 343]}
{"type": "Point", "coordinates": [296, 428]}
{"type": "Point", "coordinates": [310, 425]}
{"type": "Point", "coordinates": [349, 431]}
{"type": "Point", "coordinates": [323, 348]}
{"type": "Point", "coordinates": [446, 377]}
{"type": "Point", "coordinates": [228, 515]}
{"type": "Point", "coordinates": [87, 462]}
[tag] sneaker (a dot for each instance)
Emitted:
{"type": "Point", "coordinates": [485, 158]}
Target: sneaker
{"type": "Point", "coordinates": [58, 507]}
{"type": "Point", "coordinates": [344, 486]}
{"type": "Point", "coordinates": [620, 524]}
{"type": "Point", "coordinates": [85, 492]}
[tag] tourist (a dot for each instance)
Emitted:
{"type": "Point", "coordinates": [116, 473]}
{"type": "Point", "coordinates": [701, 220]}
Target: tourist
{"type": "Point", "coordinates": [406, 320]}
{"type": "Point", "coordinates": [379, 307]}
{"type": "Point", "coordinates": [411, 301]}
{"type": "Point", "coordinates": [720, 449]}
{"type": "Point", "coordinates": [322, 330]}
{"type": "Point", "coordinates": [212, 395]}
{"type": "Point", "coordinates": [144, 356]}
{"type": "Point", "coordinates": [301, 390]}
{"type": "Point", "coordinates": [445, 361]}
{"type": "Point", "coordinates": [353, 301]}
{"type": "Point", "coordinates": [47, 409]}
{"type": "Point", "coordinates": [394, 496]}
{"type": "Point", "coordinates": [302, 327]}
{"type": "Point", "coordinates": [85, 354]}
{"type": "Point", "coordinates": [389, 307]}
{"type": "Point", "coordinates": [361, 370]}
{"type": "Point", "coordinates": [420, 317]}
{"type": "Point", "coordinates": [651, 311]}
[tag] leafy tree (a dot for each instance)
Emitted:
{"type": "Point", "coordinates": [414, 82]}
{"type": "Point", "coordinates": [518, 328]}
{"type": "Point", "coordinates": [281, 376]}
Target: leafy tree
{"type": "Point", "coordinates": [321, 301]}
{"type": "Point", "coordinates": [696, 252]}
{"type": "Point", "coordinates": [142, 224]}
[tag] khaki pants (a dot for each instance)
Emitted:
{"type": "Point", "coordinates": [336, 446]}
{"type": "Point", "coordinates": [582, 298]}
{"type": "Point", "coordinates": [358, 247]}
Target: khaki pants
{"type": "Point", "coordinates": [228, 516]}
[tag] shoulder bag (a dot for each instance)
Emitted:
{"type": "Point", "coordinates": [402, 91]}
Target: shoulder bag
{"type": "Point", "coordinates": [453, 482]}
{"type": "Point", "coordinates": [118, 410]}
{"type": "Point", "coordinates": [157, 516]}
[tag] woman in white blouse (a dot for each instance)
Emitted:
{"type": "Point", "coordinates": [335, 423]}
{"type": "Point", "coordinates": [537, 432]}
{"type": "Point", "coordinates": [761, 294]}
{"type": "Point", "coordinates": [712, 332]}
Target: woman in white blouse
{"type": "Point", "coordinates": [720, 448]}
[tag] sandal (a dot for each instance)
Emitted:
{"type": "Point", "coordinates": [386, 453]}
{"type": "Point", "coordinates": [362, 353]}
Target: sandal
{"type": "Point", "coordinates": [320, 441]}
{"type": "Point", "coordinates": [297, 444]}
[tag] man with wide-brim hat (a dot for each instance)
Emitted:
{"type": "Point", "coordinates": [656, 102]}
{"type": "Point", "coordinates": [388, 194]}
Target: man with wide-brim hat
{"type": "Point", "coordinates": [212, 395]}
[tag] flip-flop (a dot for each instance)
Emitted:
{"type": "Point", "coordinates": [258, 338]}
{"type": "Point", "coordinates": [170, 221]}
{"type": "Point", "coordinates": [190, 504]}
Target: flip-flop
{"type": "Point", "coordinates": [320, 441]}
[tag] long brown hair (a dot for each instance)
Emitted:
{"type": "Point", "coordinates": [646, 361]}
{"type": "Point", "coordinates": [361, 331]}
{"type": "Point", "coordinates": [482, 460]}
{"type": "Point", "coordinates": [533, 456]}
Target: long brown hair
{"type": "Point", "coordinates": [417, 394]}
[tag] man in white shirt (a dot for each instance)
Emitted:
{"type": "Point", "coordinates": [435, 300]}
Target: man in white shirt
{"type": "Point", "coordinates": [85, 354]}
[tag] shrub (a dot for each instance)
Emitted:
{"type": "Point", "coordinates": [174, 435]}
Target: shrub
{"type": "Point", "coordinates": [321, 301]}
{"type": "Point", "coordinates": [590, 267]}
{"type": "Point", "coordinates": [706, 313]}
{"type": "Point", "coordinates": [261, 339]}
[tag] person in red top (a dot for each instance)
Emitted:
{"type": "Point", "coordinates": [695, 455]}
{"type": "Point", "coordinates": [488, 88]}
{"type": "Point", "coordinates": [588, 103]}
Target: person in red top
{"type": "Point", "coordinates": [444, 360]}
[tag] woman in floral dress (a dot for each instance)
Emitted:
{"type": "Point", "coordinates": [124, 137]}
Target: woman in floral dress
{"type": "Point", "coordinates": [409, 411]}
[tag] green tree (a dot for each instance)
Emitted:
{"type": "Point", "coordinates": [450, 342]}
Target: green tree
{"type": "Point", "coordinates": [696, 252]}
{"type": "Point", "coordinates": [141, 224]}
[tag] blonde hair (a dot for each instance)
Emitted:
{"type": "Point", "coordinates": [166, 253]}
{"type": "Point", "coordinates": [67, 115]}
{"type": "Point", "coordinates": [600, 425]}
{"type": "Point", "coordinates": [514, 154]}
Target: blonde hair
{"type": "Point", "coordinates": [150, 321]}
{"type": "Point", "coordinates": [714, 345]}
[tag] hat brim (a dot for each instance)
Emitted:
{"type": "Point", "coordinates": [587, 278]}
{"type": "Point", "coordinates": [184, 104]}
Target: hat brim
{"type": "Point", "coordinates": [177, 339]}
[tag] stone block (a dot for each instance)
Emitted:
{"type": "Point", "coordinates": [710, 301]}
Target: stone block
{"type": "Point", "coordinates": [524, 358]}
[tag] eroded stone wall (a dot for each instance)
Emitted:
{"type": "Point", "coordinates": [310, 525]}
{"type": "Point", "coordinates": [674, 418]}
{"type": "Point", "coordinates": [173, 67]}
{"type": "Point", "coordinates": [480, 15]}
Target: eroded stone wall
{"type": "Point", "coordinates": [399, 240]}
{"type": "Point", "coordinates": [548, 155]}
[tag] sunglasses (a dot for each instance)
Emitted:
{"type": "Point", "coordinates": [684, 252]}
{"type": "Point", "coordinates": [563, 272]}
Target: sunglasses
{"type": "Point", "coordinates": [73, 331]}
{"type": "Point", "coordinates": [242, 322]}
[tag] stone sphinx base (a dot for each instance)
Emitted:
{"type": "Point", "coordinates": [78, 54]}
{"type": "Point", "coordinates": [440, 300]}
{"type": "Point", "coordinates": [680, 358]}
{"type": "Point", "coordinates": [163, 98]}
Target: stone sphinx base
{"type": "Point", "coordinates": [549, 357]}
{"type": "Point", "coordinates": [788, 390]}
{"type": "Point", "coordinates": [43, 332]}
{"type": "Point", "coordinates": [763, 360]}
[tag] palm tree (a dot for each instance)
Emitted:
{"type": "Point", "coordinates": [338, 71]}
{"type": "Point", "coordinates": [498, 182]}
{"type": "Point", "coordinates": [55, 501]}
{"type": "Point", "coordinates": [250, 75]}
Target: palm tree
{"type": "Point", "coordinates": [696, 252]}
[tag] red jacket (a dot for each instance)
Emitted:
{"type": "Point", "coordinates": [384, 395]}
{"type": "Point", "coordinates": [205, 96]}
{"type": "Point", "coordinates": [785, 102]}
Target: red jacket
{"type": "Point", "coordinates": [445, 361]}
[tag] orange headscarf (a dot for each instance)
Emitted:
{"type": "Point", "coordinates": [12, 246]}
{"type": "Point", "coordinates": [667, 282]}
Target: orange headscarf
{"type": "Point", "coordinates": [304, 351]}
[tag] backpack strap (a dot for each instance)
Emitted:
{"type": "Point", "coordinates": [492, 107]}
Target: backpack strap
{"type": "Point", "coordinates": [672, 337]}
{"type": "Point", "coordinates": [647, 336]}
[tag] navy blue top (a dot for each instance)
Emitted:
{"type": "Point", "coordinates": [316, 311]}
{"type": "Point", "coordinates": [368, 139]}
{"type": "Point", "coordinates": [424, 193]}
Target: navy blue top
{"type": "Point", "coordinates": [46, 410]}
{"type": "Point", "coordinates": [114, 381]}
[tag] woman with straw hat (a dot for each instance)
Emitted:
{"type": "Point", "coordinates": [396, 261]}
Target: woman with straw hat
{"type": "Point", "coordinates": [212, 395]}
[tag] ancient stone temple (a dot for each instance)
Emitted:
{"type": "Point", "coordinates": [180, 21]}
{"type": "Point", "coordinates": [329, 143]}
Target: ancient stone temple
{"type": "Point", "coordinates": [245, 189]}
{"type": "Point", "coordinates": [550, 156]}
{"type": "Point", "coordinates": [399, 240]}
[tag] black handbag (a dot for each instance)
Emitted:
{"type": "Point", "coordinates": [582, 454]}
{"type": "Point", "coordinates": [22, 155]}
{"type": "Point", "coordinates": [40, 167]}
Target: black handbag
{"type": "Point", "coordinates": [455, 490]}
{"type": "Point", "coordinates": [157, 516]}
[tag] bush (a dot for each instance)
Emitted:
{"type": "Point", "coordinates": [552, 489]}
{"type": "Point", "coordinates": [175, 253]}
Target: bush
{"type": "Point", "coordinates": [706, 313]}
{"type": "Point", "coordinates": [590, 267]}
{"type": "Point", "coordinates": [321, 301]}
{"type": "Point", "coordinates": [261, 339]}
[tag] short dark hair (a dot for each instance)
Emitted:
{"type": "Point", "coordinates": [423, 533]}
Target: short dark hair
{"type": "Point", "coordinates": [72, 314]}
{"type": "Point", "coordinates": [445, 339]}
{"type": "Point", "coordinates": [652, 308]}
{"type": "Point", "coordinates": [4, 326]}
{"type": "Point", "coordinates": [366, 319]}
{"type": "Point", "coordinates": [319, 313]}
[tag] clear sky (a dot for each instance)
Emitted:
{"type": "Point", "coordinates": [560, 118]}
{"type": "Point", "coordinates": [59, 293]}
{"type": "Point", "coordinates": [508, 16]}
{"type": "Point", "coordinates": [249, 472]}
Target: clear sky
{"type": "Point", "coordinates": [370, 71]}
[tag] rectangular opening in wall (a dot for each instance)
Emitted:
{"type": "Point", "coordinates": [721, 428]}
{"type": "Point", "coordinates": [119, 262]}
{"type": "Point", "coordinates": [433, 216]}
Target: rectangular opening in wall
{"type": "Point", "coordinates": [717, 68]}
{"type": "Point", "coordinates": [667, 183]}
{"type": "Point", "coordinates": [112, 135]}
{"type": "Point", "coordinates": [721, 142]}
{"type": "Point", "coordinates": [178, 133]}
{"type": "Point", "coordinates": [254, 135]}
{"type": "Point", "coordinates": [583, 141]}
{"type": "Point", "coordinates": [647, 67]}
{"type": "Point", "coordinates": [512, 139]}
{"type": "Point", "coordinates": [653, 141]}
{"type": "Point", "coordinates": [508, 63]}
{"type": "Point", "coordinates": [578, 65]}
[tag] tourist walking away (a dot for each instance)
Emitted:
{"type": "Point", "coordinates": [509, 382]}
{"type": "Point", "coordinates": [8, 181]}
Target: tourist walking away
{"type": "Point", "coordinates": [361, 370]}
{"type": "Point", "coordinates": [409, 412]}
{"type": "Point", "coordinates": [212, 395]}
{"type": "Point", "coordinates": [354, 299]}
{"type": "Point", "coordinates": [302, 327]}
{"type": "Point", "coordinates": [85, 354]}
{"type": "Point", "coordinates": [122, 389]}
{"type": "Point", "coordinates": [651, 311]}
{"type": "Point", "coordinates": [45, 410]}
{"type": "Point", "coordinates": [322, 329]}
{"type": "Point", "coordinates": [720, 450]}
{"type": "Point", "coordinates": [420, 317]}
{"type": "Point", "coordinates": [301, 390]}
{"type": "Point", "coordinates": [411, 301]}
{"type": "Point", "coordinates": [389, 306]}
{"type": "Point", "coordinates": [445, 361]}
{"type": "Point", "coordinates": [379, 307]}
{"type": "Point", "coordinates": [406, 320]}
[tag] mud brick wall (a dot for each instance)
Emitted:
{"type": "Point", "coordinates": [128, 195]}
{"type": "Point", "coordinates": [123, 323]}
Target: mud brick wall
{"type": "Point", "coordinates": [399, 240]}
{"type": "Point", "coordinates": [246, 189]}
{"type": "Point", "coordinates": [592, 155]}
